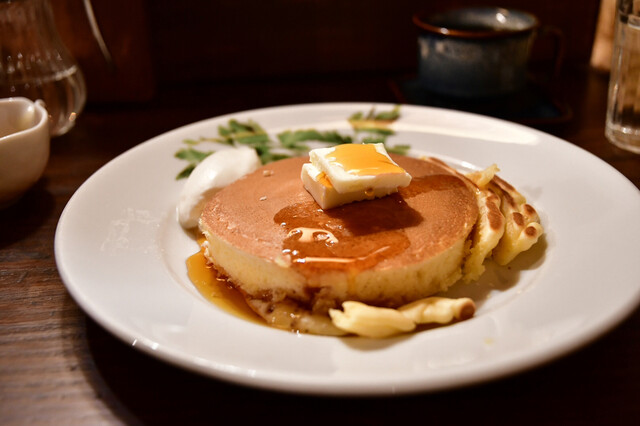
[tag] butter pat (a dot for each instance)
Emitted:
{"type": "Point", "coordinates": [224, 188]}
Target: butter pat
{"type": "Point", "coordinates": [351, 172]}
{"type": "Point", "coordinates": [355, 167]}
{"type": "Point", "coordinates": [320, 188]}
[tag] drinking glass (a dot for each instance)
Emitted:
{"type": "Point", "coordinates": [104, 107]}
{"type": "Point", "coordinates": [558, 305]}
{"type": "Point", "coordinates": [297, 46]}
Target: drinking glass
{"type": "Point", "coordinates": [34, 63]}
{"type": "Point", "coordinates": [623, 108]}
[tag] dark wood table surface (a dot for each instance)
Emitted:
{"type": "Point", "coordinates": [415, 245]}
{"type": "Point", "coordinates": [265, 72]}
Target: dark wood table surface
{"type": "Point", "coordinates": [58, 366]}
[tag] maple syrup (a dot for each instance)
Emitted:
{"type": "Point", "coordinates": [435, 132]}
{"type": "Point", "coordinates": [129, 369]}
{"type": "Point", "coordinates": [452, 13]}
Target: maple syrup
{"type": "Point", "coordinates": [217, 289]}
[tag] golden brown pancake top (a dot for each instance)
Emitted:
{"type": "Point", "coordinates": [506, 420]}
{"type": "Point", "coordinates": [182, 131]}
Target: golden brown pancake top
{"type": "Point", "coordinates": [269, 214]}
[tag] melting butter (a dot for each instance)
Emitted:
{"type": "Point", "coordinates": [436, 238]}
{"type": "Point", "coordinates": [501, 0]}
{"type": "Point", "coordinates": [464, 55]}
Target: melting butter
{"type": "Point", "coordinates": [363, 160]}
{"type": "Point", "coordinates": [351, 172]}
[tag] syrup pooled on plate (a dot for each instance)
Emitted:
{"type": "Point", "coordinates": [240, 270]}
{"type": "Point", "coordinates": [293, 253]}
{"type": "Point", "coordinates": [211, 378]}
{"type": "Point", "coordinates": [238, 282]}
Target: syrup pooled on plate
{"type": "Point", "coordinates": [217, 289]}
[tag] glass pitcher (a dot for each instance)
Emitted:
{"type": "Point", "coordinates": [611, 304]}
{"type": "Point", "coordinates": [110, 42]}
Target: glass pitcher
{"type": "Point", "coordinates": [34, 62]}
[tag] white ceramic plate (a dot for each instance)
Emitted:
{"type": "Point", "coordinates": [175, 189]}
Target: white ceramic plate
{"type": "Point", "coordinates": [121, 254]}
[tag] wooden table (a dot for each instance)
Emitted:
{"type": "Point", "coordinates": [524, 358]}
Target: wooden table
{"type": "Point", "coordinates": [57, 365]}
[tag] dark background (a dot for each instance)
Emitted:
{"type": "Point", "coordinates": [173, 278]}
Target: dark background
{"type": "Point", "coordinates": [160, 44]}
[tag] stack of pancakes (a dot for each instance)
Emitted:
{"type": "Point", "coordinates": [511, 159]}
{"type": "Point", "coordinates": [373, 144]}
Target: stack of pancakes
{"type": "Point", "coordinates": [293, 261]}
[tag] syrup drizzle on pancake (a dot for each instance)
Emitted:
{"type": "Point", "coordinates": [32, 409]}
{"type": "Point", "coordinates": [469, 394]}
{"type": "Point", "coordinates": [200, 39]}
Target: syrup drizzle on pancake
{"type": "Point", "coordinates": [344, 238]}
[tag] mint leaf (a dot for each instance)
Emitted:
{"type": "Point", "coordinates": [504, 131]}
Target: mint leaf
{"type": "Point", "coordinates": [398, 149]}
{"type": "Point", "coordinates": [186, 172]}
{"type": "Point", "coordinates": [192, 155]}
{"type": "Point", "coordinates": [392, 115]}
{"type": "Point", "coordinates": [374, 139]}
{"type": "Point", "coordinates": [269, 157]}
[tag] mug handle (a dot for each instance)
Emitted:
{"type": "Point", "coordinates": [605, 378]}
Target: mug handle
{"type": "Point", "coordinates": [558, 38]}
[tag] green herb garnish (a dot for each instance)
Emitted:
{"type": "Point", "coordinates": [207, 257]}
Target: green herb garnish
{"type": "Point", "coordinates": [293, 140]}
{"type": "Point", "coordinates": [372, 127]}
{"type": "Point", "coordinates": [193, 156]}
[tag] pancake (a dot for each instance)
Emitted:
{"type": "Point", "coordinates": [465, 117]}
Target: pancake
{"type": "Point", "coordinates": [294, 261]}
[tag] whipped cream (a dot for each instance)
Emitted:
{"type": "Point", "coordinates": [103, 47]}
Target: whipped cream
{"type": "Point", "coordinates": [214, 173]}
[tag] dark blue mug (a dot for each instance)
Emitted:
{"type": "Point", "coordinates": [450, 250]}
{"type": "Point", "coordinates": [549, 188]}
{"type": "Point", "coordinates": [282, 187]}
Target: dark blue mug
{"type": "Point", "coordinates": [477, 51]}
